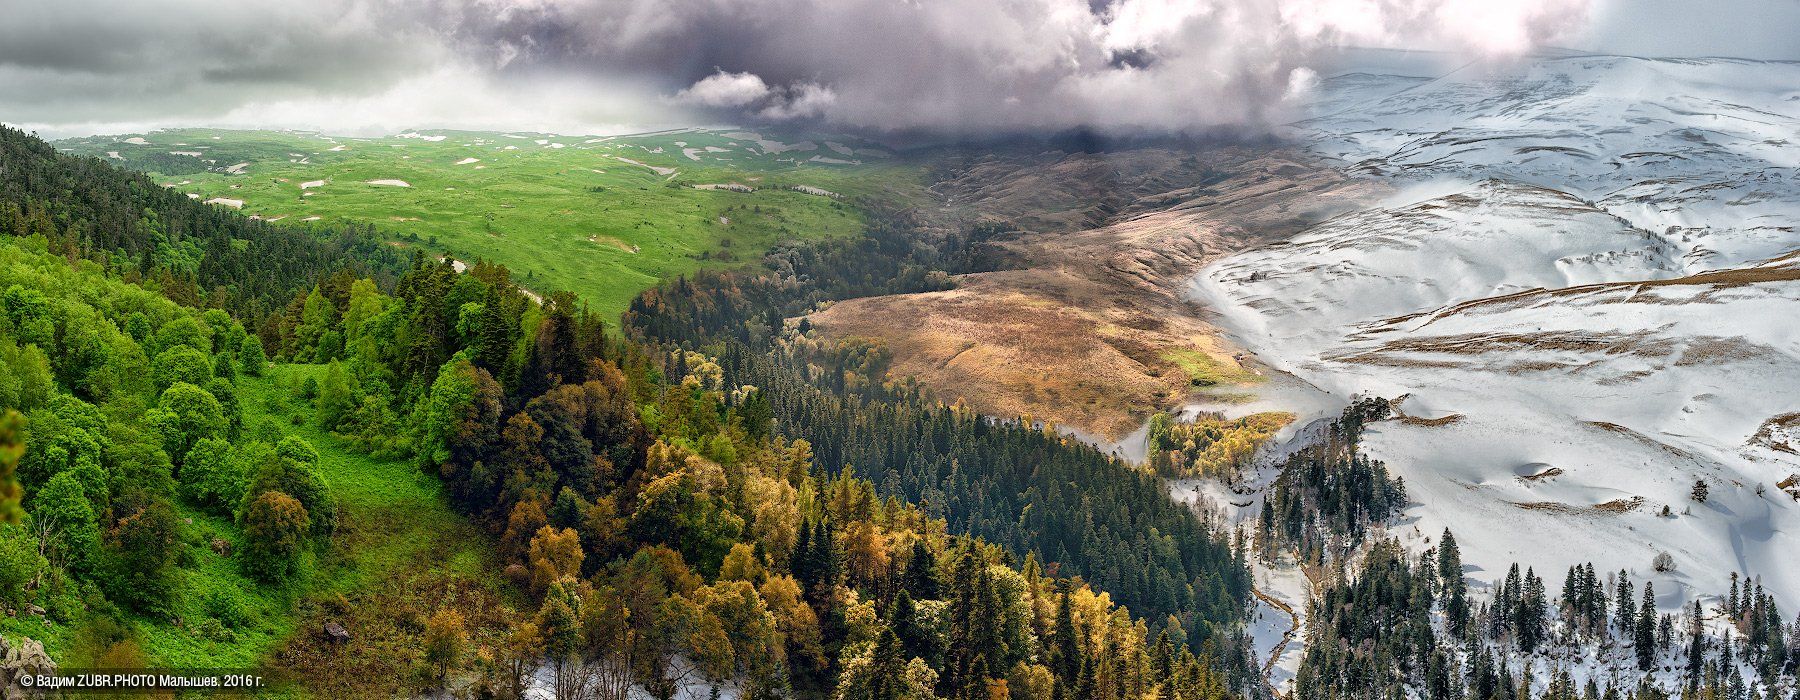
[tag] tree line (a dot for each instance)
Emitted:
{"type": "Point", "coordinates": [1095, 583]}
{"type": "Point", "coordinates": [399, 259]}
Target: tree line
{"type": "Point", "coordinates": [1402, 624]}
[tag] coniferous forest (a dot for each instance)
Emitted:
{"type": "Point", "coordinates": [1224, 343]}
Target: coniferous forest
{"type": "Point", "coordinates": [191, 436]}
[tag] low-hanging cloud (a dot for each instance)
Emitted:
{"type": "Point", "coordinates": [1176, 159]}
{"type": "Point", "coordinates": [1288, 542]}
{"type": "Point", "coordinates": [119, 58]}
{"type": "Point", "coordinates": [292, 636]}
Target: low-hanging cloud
{"type": "Point", "coordinates": [747, 93]}
{"type": "Point", "coordinates": [943, 66]}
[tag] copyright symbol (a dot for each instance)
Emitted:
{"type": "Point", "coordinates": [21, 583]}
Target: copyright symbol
{"type": "Point", "coordinates": [27, 680]}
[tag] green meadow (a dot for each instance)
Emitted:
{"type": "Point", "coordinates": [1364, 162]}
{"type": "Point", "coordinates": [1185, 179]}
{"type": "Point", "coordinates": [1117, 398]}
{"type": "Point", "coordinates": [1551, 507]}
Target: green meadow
{"type": "Point", "coordinates": [603, 217]}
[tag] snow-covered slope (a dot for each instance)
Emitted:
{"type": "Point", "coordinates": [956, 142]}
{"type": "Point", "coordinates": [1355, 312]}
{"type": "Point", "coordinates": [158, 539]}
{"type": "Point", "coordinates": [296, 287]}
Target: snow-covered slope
{"type": "Point", "coordinates": [1588, 294]}
{"type": "Point", "coordinates": [1702, 152]}
{"type": "Point", "coordinates": [1416, 253]}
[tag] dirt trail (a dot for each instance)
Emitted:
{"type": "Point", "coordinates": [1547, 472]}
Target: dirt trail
{"type": "Point", "coordinates": [1275, 655]}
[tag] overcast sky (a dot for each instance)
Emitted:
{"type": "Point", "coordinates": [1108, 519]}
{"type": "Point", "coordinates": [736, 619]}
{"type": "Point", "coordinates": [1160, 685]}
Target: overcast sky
{"type": "Point", "coordinates": [73, 67]}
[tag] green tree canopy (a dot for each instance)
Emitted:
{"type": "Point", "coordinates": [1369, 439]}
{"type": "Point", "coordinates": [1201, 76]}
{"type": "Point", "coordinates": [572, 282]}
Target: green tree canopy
{"type": "Point", "coordinates": [275, 526]}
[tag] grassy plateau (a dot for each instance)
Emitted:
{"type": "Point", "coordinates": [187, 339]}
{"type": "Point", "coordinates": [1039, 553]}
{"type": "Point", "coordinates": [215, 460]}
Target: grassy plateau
{"type": "Point", "coordinates": [603, 217]}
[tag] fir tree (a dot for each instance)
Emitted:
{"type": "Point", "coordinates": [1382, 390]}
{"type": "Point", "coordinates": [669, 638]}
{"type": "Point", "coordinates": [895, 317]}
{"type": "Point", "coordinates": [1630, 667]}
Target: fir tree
{"type": "Point", "coordinates": [1456, 590]}
{"type": "Point", "coordinates": [921, 572]}
{"type": "Point", "coordinates": [1696, 648]}
{"type": "Point", "coordinates": [1644, 634]}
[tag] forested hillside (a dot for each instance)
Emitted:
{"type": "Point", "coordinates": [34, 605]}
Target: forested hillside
{"type": "Point", "coordinates": [196, 254]}
{"type": "Point", "coordinates": [1011, 482]}
{"type": "Point", "coordinates": [631, 515]}
{"type": "Point", "coordinates": [162, 516]}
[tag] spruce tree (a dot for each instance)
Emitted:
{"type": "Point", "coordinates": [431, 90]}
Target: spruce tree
{"type": "Point", "coordinates": [921, 572]}
{"type": "Point", "coordinates": [1065, 646]}
{"type": "Point", "coordinates": [1622, 597]}
{"type": "Point", "coordinates": [1731, 600]}
{"type": "Point", "coordinates": [1644, 636]}
{"type": "Point", "coordinates": [1456, 590]}
{"type": "Point", "coordinates": [1696, 649]}
{"type": "Point", "coordinates": [1531, 613]}
{"type": "Point", "coordinates": [887, 670]}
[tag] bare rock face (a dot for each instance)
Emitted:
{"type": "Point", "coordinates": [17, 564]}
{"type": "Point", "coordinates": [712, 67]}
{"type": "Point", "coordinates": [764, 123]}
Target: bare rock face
{"type": "Point", "coordinates": [26, 656]}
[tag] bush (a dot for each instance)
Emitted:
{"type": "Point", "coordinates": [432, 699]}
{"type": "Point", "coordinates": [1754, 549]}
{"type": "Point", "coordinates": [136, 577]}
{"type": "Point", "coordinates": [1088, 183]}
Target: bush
{"type": "Point", "coordinates": [20, 563]}
{"type": "Point", "coordinates": [209, 628]}
{"type": "Point", "coordinates": [228, 607]}
{"type": "Point", "coordinates": [274, 532]}
{"type": "Point", "coordinates": [251, 356]}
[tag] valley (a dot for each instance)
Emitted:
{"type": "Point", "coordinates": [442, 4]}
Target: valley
{"type": "Point", "coordinates": [875, 350]}
{"type": "Point", "coordinates": [1541, 306]}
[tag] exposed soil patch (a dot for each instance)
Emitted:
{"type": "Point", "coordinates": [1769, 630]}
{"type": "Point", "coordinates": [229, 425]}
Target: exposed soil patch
{"type": "Point", "coordinates": [1429, 422]}
{"type": "Point", "coordinates": [1614, 507]}
{"type": "Point", "coordinates": [611, 242]}
{"type": "Point", "coordinates": [1779, 433]}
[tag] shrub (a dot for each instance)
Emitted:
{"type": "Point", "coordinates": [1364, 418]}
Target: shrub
{"type": "Point", "coordinates": [274, 532]}
{"type": "Point", "coordinates": [227, 606]}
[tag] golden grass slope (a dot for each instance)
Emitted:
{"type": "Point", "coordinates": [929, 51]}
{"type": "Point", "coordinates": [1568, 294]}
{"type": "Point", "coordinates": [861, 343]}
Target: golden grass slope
{"type": "Point", "coordinates": [1091, 329]}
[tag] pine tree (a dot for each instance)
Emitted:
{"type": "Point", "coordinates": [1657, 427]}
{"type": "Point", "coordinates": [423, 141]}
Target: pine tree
{"type": "Point", "coordinates": [1644, 636]}
{"type": "Point", "coordinates": [1622, 596]}
{"type": "Point", "coordinates": [974, 626]}
{"type": "Point", "coordinates": [1596, 599]}
{"type": "Point", "coordinates": [1731, 601]}
{"type": "Point", "coordinates": [495, 335]}
{"type": "Point", "coordinates": [1456, 590]}
{"type": "Point", "coordinates": [887, 670]}
{"type": "Point", "coordinates": [1696, 648]}
{"type": "Point", "coordinates": [1504, 614]}
{"type": "Point", "coordinates": [1531, 614]}
{"type": "Point", "coordinates": [921, 572]}
{"type": "Point", "coordinates": [1065, 644]}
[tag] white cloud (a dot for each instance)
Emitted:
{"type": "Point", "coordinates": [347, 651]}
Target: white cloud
{"type": "Point", "coordinates": [803, 101]}
{"type": "Point", "coordinates": [724, 90]}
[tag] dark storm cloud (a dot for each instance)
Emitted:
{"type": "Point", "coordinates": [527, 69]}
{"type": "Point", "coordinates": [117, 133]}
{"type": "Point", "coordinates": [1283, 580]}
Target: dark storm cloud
{"type": "Point", "coordinates": [962, 66]}
{"type": "Point", "coordinates": [990, 66]}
